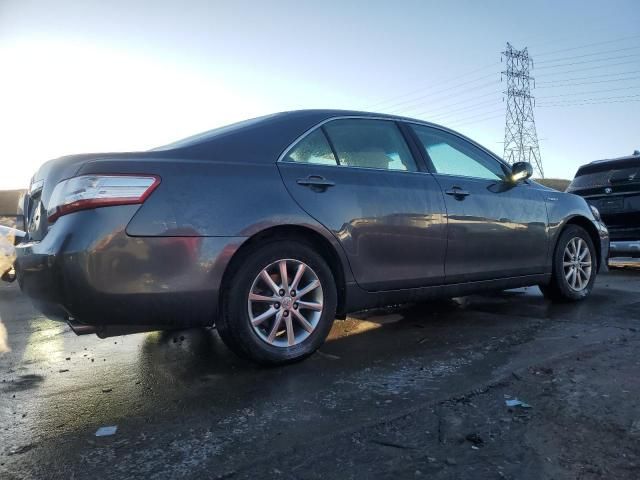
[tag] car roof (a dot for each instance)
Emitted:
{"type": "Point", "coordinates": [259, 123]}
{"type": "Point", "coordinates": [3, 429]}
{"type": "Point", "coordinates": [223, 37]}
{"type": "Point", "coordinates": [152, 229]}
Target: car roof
{"type": "Point", "coordinates": [328, 113]}
{"type": "Point", "coordinates": [609, 163]}
{"type": "Point", "coordinates": [264, 138]}
{"type": "Point", "coordinates": [306, 117]}
{"type": "Point", "coordinates": [617, 159]}
{"type": "Point", "coordinates": [325, 114]}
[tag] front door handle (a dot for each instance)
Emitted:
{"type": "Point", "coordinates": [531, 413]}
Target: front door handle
{"type": "Point", "coordinates": [457, 192]}
{"type": "Point", "coordinates": [315, 182]}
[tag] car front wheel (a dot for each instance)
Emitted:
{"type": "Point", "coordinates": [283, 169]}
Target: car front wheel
{"type": "Point", "coordinates": [574, 266]}
{"type": "Point", "coordinates": [279, 305]}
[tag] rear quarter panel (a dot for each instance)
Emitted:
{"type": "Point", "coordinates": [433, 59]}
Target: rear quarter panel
{"type": "Point", "coordinates": [208, 198]}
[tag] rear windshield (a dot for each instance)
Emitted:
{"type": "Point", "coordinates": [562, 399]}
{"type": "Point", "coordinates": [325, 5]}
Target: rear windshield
{"type": "Point", "coordinates": [597, 174]}
{"type": "Point", "coordinates": [211, 134]}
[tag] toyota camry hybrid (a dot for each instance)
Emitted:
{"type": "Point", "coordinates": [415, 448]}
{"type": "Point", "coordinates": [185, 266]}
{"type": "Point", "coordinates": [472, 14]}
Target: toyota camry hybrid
{"type": "Point", "coordinates": [272, 227]}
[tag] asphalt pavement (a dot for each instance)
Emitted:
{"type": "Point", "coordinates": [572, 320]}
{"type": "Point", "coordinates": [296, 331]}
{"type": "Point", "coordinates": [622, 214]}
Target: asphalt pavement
{"type": "Point", "coordinates": [407, 392]}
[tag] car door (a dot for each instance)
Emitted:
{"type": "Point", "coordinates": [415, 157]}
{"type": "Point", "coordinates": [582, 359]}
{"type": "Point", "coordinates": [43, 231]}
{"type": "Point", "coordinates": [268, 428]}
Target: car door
{"type": "Point", "coordinates": [496, 229]}
{"type": "Point", "coordinates": [359, 178]}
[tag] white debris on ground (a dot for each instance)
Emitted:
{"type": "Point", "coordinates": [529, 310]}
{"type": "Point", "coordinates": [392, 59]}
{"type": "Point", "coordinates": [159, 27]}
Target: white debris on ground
{"type": "Point", "coordinates": [7, 257]}
{"type": "Point", "coordinates": [7, 249]}
{"type": "Point", "coordinates": [4, 343]}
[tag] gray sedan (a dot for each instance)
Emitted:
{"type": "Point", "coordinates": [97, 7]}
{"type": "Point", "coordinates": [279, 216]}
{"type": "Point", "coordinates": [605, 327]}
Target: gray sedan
{"type": "Point", "coordinates": [272, 227]}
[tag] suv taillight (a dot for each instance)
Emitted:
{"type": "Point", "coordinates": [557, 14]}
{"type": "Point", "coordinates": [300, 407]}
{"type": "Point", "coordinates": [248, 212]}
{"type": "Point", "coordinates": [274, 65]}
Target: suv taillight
{"type": "Point", "coordinates": [93, 191]}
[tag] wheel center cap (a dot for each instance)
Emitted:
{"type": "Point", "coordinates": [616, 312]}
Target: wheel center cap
{"type": "Point", "coordinates": [287, 302]}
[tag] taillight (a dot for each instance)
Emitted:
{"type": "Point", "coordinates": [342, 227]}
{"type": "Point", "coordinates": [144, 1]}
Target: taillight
{"type": "Point", "coordinates": [93, 191]}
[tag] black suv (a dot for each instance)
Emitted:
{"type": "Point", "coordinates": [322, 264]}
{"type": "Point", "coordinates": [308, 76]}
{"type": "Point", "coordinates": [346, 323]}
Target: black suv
{"type": "Point", "coordinates": [613, 187]}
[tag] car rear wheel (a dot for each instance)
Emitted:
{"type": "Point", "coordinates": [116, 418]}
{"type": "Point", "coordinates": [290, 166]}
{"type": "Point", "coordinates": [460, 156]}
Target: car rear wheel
{"type": "Point", "coordinates": [574, 266]}
{"type": "Point", "coordinates": [279, 305]}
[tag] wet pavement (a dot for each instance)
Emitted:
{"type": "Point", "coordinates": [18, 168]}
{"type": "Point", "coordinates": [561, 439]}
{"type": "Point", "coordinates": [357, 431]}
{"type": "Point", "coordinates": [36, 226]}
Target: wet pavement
{"type": "Point", "coordinates": [405, 392]}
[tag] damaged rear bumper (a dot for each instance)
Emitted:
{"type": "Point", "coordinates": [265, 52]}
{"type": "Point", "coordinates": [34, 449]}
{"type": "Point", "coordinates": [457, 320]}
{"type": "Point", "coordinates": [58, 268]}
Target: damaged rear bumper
{"type": "Point", "coordinates": [88, 270]}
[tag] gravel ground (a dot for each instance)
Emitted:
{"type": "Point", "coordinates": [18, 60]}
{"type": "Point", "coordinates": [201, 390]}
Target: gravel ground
{"type": "Point", "coordinates": [415, 391]}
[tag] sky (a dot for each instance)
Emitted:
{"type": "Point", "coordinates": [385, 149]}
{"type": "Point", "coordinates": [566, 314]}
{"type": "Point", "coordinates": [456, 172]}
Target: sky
{"type": "Point", "coordinates": [94, 76]}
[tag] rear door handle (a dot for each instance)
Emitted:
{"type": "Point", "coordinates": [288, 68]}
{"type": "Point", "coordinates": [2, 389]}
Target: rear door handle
{"type": "Point", "coordinates": [315, 181]}
{"type": "Point", "coordinates": [457, 192]}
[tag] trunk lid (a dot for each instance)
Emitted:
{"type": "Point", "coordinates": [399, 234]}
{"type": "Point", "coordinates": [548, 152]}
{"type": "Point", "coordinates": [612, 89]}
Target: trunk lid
{"type": "Point", "coordinates": [48, 176]}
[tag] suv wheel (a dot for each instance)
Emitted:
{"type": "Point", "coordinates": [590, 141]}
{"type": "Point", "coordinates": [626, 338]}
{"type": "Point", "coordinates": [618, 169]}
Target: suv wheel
{"type": "Point", "coordinates": [574, 266]}
{"type": "Point", "coordinates": [279, 305]}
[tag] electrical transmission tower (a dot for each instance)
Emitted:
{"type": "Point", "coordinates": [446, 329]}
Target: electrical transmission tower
{"type": "Point", "coordinates": [520, 137]}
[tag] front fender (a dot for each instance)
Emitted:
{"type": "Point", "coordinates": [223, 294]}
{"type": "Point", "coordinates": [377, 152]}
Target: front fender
{"type": "Point", "coordinates": [564, 209]}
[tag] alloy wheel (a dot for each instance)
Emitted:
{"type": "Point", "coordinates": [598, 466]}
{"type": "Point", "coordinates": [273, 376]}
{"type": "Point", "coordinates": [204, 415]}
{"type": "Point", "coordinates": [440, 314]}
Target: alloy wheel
{"type": "Point", "coordinates": [576, 263]}
{"type": "Point", "coordinates": [285, 303]}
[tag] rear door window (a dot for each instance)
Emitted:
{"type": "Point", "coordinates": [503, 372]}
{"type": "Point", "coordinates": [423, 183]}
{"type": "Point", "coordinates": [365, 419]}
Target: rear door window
{"type": "Point", "coordinates": [365, 143]}
{"type": "Point", "coordinates": [314, 148]}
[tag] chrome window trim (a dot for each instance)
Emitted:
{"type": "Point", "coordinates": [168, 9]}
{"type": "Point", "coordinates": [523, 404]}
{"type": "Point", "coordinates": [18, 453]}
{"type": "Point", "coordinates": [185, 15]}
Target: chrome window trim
{"type": "Point", "coordinates": [366, 169]}
{"type": "Point", "coordinates": [349, 117]}
{"type": "Point", "coordinates": [395, 120]}
{"type": "Point", "coordinates": [319, 125]}
{"type": "Point", "coordinates": [469, 177]}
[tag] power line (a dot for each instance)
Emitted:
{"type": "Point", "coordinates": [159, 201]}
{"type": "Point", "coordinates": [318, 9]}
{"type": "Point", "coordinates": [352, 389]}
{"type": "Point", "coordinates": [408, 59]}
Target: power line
{"type": "Point", "coordinates": [441, 103]}
{"type": "Point", "coordinates": [593, 76]}
{"type": "Point", "coordinates": [444, 110]}
{"type": "Point", "coordinates": [587, 103]}
{"type": "Point", "coordinates": [587, 55]}
{"type": "Point", "coordinates": [519, 77]}
{"type": "Point", "coordinates": [595, 99]}
{"type": "Point", "coordinates": [437, 99]}
{"type": "Point", "coordinates": [421, 99]}
{"type": "Point", "coordinates": [592, 68]}
{"type": "Point", "coordinates": [589, 83]}
{"type": "Point", "coordinates": [394, 99]}
{"type": "Point", "coordinates": [567, 36]}
{"type": "Point", "coordinates": [543, 54]}
{"type": "Point", "coordinates": [589, 61]}
{"type": "Point", "coordinates": [589, 92]}
{"type": "Point", "coordinates": [449, 113]}
{"type": "Point", "coordinates": [481, 105]}
{"type": "Point", "coordinates": [449, 105]}
{"type": "Point", "coordinates": [471, 117]}
{"type": "Point", "coordinates": [442, 113]}
{"type": "Point", "coordinates": [458, 125]}
{"type": "Point", "coordinates": [571, 84]}
{"type": "Point", "coordinates": [392, 103]}
{"type": "Point", "coordinates": [444, 103]}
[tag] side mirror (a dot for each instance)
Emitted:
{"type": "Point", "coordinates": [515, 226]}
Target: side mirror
{"type": "Point", "coordinates": [521, 171]}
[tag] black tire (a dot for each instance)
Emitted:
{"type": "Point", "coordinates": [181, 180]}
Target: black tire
{"type": "Point", "coordinates": [559, 288]}
{"type": "Point", "coordinates": [234, 324]}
